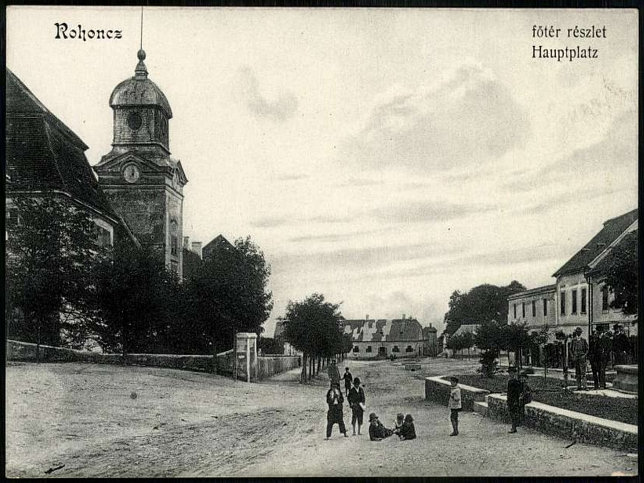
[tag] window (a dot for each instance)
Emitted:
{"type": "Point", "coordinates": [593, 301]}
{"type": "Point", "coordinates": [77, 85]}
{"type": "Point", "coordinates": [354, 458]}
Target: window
{"type": "Point", "coordinates": [523, 309]}
{"type": "Point", "coordinates": [409, 349]}
{"type": "Point", "coordinates": [545, 307]}
{"type": "Point", "coordinates": [515, 311]}
{"type": "Point", "coordinates": [605, 297]}
{"type": "Point", "coordinates": [583, 300]}
{"type": "Point", "coordinates": [395, 349]}
{"type": "Point", "coordinates": [573, 295]}
{"type": "Point", "coordinates": [356, 349]}
{"type": "Point", "coordinates": [173, 245]}
{"type": "Point", "coordinates": [534, 308]}
{"type": "Point", "coordinates": [562, 297]}
{"type": "Point", "coordinates": [368, 348]}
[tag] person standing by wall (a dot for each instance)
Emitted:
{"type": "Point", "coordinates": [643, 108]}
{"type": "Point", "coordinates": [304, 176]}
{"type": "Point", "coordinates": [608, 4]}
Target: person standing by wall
{"type": "Point", "coordinates": [620, 345]}
{"type": "Point", "coordinates": [334, 415]}
{"type": "Point", "coordinates": [515, 388]}
{"type": "Point", "coordinates": [605, 345]}
{"type": "Point", "coordinates": [454, 404]}
{"type": "Point", "coordinates": [594, 357]}
{"type": "Point", "coordinates": [579, 351]}
{"type": "Point", "coordinates": [357, 402]}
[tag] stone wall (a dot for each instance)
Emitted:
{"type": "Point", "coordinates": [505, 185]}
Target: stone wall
{"type": "Point", "coordinates": [566, 424]}
{"type": "Point", "coordinates": [275, 364]}
{"type": "Point", "coordinates": [438, 389]}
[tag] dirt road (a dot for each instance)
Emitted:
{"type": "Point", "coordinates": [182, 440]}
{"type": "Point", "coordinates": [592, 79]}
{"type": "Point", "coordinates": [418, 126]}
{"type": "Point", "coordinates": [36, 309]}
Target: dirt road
{"type": "Point", "coordinates": [87, 418]}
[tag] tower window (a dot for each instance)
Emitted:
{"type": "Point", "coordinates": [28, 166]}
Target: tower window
{"type": "Point", "coordinates": [173, 245]}
{"type": "Point", "coordinates": [134, 121]}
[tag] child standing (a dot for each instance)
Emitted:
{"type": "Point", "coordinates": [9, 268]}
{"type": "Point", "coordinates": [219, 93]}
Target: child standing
{"type": "Point", "coordinates": [454, 404]}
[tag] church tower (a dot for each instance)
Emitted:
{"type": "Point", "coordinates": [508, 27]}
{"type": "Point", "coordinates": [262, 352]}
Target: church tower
{"type": "Point", "coordinates": [143, 182]}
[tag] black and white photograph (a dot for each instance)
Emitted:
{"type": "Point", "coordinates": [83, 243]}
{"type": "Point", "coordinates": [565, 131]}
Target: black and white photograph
{"type": "Point", "coordinates": [321, 242]}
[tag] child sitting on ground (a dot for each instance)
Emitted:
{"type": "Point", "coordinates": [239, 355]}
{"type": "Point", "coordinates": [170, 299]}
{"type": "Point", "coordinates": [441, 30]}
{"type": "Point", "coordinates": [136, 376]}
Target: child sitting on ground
{"type": "Point", "coordinates": [377, 431]}
{"type": "Point", "coordinates": [398, 423]}
{"type": "Point", "coordinates": [408, 431]}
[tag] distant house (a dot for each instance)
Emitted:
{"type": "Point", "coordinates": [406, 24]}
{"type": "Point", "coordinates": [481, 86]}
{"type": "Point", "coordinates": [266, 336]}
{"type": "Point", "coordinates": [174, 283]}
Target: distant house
{"type": "Point", "coordinates": [383, 338]}
{"type": "Point", "coordinates": [216, 245]}
{"type": "Point", "coordinates": [534, 308]}
{"type": "Point", "coordinates": [468, 329]}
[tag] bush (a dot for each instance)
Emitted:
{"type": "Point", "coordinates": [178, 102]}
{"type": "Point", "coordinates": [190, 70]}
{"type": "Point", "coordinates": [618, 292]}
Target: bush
{"type": "Point", "coordinates": [489, 364]}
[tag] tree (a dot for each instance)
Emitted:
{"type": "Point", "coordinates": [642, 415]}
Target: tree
{"type": "Point", "coordinates": [481, 304]}
{"type": "Point", "coordinates": [621, 270]}
{"type": "Point", "coordinates": [313, 327]}
{"type": "Point", "coordinates": [229, 292]}
{"type": "Point", "coordinates": [270, 346]}
{"type": "Point", "coordinates": [52, 253]}
{"type": "Point", "coordinates": [135, 295]}
{"type": "Point", "coordinates": [489, 337]}
{"type": "Point", "coordinates": [516, 339]}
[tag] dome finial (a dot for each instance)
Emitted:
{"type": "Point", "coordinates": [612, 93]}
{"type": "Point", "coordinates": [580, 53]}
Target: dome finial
{"type": "Point", "coordinates": [141, 72]}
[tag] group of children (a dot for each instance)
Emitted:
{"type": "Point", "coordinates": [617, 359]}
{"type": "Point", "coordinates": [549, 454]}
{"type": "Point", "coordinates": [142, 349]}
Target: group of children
{"type": "Point", "coordinates": [403, 426]}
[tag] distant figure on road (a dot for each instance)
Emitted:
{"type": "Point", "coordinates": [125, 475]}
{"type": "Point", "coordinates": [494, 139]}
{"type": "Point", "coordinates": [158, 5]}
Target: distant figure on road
{"type": "Point", "coordinates": [334, 373]}
{"type": "Point", "coordinates": [579, 351]}
{"type": "Point", "coordinates": [356, 400]}
{"type": "Point", "coordinates": [454, 404]}
{"type": "Point", "coordinates": [377, 432]}
{"type": "Point", "coordinates": [348, 380]}
{"type": "Point", "coordinates": [335, 399]}
{"type": "Point", "coordinates": [408, 431]}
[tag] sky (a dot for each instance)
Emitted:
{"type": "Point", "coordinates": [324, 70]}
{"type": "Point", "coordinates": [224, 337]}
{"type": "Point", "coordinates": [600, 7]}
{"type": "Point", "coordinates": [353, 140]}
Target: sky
{"type": "Point", "coordinates": [381, 157]}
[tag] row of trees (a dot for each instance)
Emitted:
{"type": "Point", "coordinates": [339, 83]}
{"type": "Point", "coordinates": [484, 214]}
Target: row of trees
{"type": "Point", "coordinates": [63, 289]}
{"type": "Point", "coordinates": [314, 327]}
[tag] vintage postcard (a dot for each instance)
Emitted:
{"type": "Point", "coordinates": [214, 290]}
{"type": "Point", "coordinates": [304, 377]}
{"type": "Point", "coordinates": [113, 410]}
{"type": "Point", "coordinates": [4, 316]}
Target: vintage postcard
{"type": "Point", "coordinates": [278, 242]}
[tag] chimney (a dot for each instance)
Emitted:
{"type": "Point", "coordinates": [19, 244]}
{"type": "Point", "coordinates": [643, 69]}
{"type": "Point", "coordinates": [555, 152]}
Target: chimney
{"type": "Point", "coordinates": [403, 317]}
{"type": "Point", "coordinates": [196, 247]}
{"type": "Point", "coordinates": [430, 324]}
{"type": "Point", "coordinates": [186, 242]}
{"type": "Point", "coordinates": [366, 317]}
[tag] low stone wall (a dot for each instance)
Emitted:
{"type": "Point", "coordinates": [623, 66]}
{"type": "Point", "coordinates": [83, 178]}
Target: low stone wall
{"type": "Point", "coordinates": [568, 424]}
{"type": "Point", "coordinates": [270, 365]}
{"type": "Point", "coordinates": [438, 389]}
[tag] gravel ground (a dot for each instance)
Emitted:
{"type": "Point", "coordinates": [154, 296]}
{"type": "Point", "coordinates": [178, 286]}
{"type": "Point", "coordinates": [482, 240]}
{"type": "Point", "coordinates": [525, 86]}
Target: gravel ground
{"type": "Point", "coordinates": [87, 418]}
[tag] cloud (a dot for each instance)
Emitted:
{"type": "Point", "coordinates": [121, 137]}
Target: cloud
{"type": "Point", "coordinates": [470, 119]}
{"type": "Point", "coordinates": [424, 211]}
{"type": "Point", "coordinates": [280, 109]}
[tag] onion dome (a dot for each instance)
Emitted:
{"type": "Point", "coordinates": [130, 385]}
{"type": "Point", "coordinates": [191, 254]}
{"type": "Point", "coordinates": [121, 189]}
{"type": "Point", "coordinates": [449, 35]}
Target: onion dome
{"type": "Point", "coordinates": [140, 91]}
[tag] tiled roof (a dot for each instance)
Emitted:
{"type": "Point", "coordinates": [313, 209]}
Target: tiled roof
{"type": "Point", "coordinates": [217, 243]}
{"type": "Point", "coordinates": [532, 291]}
{"type": "Point", "coordinates": [44, 154]}
{"type": "Point", "coordinates": [605, 262]}
{"type": "Point", "coordinates": [609, 233]}
{"type": "Point", "coordinates": [382, 329]}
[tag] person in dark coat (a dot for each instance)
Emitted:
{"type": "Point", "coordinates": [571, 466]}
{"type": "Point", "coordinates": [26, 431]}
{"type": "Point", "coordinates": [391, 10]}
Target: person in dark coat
{"type": "Point", "coordinates": [515, 389]}
{"type": "Point", "coordinates": [377, 431]}
{"type": "Point", "coordinates": [348, 381]}
{"type": "Point", "coordinates": [594, 357]}
{"type": "Point", "coordinates": [408, 431]}
{"type": "Point", "coordinates": [335, 399]}
{"type": "Point", "coordinates": [578, 352]}
{"type": "Point", "coordinates": [357, 401]}
{"type": "Point", "coordinates": [605, 346]}
{"type": "Point", "coordinates": [621, 345]}
{"type": "Point", "coordinates": [333, 372]}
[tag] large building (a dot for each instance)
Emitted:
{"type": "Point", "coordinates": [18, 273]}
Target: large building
{"type": "Point", "coordinates": [46, 158]}
{"type": "Point", "coordinates": [384, 338]}
{"type": "Point", "coordinates": [143, 182]}
{"type": "Point", "coordinates": [580, 296]}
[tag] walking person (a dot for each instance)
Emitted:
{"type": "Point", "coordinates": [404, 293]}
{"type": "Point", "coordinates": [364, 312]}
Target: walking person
{"type": "Point", "coordinates": [357, 402]}
{"type": "Point", "coordinates": [334, 373]}
{"type": "Point", "coordinates": [579, 351]}
{"type": "Point", "coordinates": [348, 380]}
{"type": "Point", "coordinates": [454, 404]}
{"type": "Point", "coordinates": [334, 415]}
{"type": "Point", "coordinates": [515, 388]}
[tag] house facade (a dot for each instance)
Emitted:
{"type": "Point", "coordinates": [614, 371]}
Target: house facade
{"type": "Point", "coordinates": [385, 337]}
{"type": "Point", "coordinates": [579, 297]}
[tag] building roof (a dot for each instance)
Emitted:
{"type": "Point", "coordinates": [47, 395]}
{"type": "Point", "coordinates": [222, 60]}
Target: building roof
{"type": "Point", "coordinates": [465, 328]}
{"type": "Point", "coordinates": [140, 91]}
{"type": "Point", "coordinates": [533, 291]}
{"type": "Point", "coordinates": [609, 259]}
{"type": "Point", "coordinates": [372, 330]}
{"type": "Point", "coordinates": [217, 243]}
{"type": "Point", "coordinates": [45, 155]}
{"type": "Point", "coordinates": [612, 229]}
